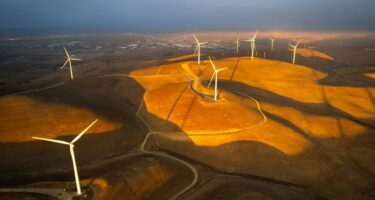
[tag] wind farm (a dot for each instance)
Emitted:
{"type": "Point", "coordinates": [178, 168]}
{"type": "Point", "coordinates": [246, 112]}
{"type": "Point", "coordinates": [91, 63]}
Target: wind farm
{"type": "Point", "coordinates": [202, 110]}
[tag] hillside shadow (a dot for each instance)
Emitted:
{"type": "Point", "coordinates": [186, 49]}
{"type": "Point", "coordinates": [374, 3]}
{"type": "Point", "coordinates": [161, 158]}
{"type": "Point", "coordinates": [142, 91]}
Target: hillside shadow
{"type": "Point", "coordinates": [322, 109]}
{"type": "Point", "coordinates": [354, 79]}
{"type": "Point", "coordinates": [102, 96]}
{"type": "Point", "coordinates": [311, 172]}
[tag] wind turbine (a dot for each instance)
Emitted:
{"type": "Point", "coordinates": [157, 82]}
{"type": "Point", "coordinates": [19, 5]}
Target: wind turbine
{"type": "Point", "coordinates": [252, 40]}
{"type": "Point", "coordinates": [198, 48]}
{"type": "Point", "coordinates": [216, 71]}
{"type": "Point", "coordinates": [69, 60]}
{"type": "Point", "coordinates": [71, 147]}
{"type": "Point", "coordinates": [272, 41]}
{"type": "Point", "coordinates": [237, 42]}
{"type": "Point", "coordinates": [294, 47]}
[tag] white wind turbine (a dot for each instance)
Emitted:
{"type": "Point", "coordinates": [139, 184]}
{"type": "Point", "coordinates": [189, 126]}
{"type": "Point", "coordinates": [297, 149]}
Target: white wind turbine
{"type": "Point", "coordinates": [69, 60]}
{"type": "Point", "coordinates": [198, 48]}
{"type": "Point", "coordinates": [272, 43]}
{"type": "Point", "coordinates": [237, 42]}
{"type": "Point", "coordinates": [252, 45]}
{"type": "Point", "coordinates": [216, 71]}
{"type": "Point", "coordinates": [294, 47]}
{"type": "Point", "coordinates": [71, 147]}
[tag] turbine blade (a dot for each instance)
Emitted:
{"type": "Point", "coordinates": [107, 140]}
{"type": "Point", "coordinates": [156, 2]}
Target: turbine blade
{"type": "Point", "coordinates": [298, 42]}
{"type": "Point", "coordinates": [66, 52]}
{"type": "Point", "coordinates": [52, 140]}
{"type": "Point", "coordinates": [83, 132]}
{"type": "Point", "coordinates": [66, 62]}
{"type": "Point", "coordinates": [255, 34]}
{"type": "Point", "coordinates": [196, 39]}
{"type": "Point", "coordinates": [76, 59]}
{"type": "Point", "coordinates": [219, 70]}
{"type": "Point", "coordinates": [212, 63]}
{"type": "Point", "coordinates": [212, 77]}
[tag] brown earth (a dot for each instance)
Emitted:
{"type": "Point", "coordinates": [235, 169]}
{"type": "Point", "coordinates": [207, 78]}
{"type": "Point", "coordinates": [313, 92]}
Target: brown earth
{"type": "Point", "coordinates": [26, 196]}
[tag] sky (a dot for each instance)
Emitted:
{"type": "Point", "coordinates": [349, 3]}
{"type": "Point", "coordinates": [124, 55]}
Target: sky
{"type": "Point", "coordinates": [184, 15]}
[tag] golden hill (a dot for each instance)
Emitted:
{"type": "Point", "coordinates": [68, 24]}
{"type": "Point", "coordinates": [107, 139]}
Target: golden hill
{"type": "Point", "coordinates": [26, 117]}
{"type": "Point", "coordinates": [314, 133]}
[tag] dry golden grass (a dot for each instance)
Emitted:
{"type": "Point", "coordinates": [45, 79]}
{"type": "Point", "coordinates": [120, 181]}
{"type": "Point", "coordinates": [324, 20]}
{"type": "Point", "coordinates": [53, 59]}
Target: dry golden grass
{"type": "Point", "coordinates": [294, 83]}
{"type": "Point", "coordinates": [191, 114]}
{"type": "Point", "coordinates": [196, 115]}
{"type": "Point", "coordinates": [180, 58]}
{"type": "Point", "coordinates": [356, 101]}
{"type": "Point", "coordinates": [371, 75]}
{"type": "Point", "coordinates": [310, 53]}
{"type": "Point", "coordinates": [24, 117]}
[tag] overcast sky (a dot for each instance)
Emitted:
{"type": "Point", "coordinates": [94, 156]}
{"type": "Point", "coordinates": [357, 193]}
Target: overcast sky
{"type": "Point", "coordinates": [184, 15]}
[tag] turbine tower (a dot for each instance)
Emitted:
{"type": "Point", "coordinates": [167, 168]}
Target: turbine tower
{"type": "Point", "coordinates": [294, 47]}
{"type": "Point", "coordinates": [272, 43]}
{"type": "Point", "coordinates": [237, 42]}
{"type": "Point", "coordinates": [198, 48]}
{"type": "Point", "coordinates": [71, 147]}
{"type": "Point", "coordinates": [252, 45]}
{"type": "Point", "coordinates": [69, 60]}
{"type": "Point", "coordinates": [216, 71]}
